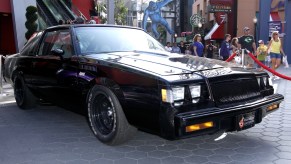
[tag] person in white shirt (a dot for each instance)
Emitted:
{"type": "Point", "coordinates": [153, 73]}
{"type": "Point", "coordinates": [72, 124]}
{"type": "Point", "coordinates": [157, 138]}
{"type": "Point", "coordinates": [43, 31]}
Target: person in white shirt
{"type": "Point", "coordinates": [168, 47]}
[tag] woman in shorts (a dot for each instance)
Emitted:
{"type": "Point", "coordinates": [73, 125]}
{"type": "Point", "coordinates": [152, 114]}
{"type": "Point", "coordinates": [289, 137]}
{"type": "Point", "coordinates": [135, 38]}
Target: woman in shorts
{"type": "Point", "coordinates": [275, 49]}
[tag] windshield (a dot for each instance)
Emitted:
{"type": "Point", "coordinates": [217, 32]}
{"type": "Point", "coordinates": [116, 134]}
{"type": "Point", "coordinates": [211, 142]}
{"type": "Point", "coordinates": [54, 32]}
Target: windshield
{"type": "Point", "coordinates": [114, 39]}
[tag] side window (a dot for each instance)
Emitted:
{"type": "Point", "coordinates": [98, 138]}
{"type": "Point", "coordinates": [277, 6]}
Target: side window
{"type": "Point", "coordinates": [56, 40]}
{"type": "Point", "coordinates": [47, 43]}
{"type": "Point", "coordinates": [31, 46]}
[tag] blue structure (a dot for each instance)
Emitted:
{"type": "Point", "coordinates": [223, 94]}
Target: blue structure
{"type": "Point", "coordinates": [153, 11]}
{"type": "Point", "coordinates": [264, 16]}
{"type": "Point", "coordinates": [265, 8]}
{"type": "Point", "coordinates": [287, 38]}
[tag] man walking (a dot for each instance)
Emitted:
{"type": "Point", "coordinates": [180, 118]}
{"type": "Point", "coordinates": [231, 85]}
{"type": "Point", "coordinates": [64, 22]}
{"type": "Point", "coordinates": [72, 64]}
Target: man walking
{"type": "Point", "coordinates": [247, 41]}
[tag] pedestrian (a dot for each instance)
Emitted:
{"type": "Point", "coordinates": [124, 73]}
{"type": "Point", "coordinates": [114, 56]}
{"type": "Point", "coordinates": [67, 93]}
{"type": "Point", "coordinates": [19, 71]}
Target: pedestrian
{"type": "Point", "coordinates": [182, 47]}
{"type": "Point", "coordinates": [61, 22]}
{"type": "Point", "coordinates": [168, 47]}
{"type": "Point", "coordinates": [175, 48]}
{"type": "Point", "coordinates": [187, 51]}
{"type": "Point", "coordinates": [261, 53]}
{"type": "Point", "coordinates": [225, 47]}
{"type": "Point", "coordinates": [69, 21]}
{"type": "Point", "coordinates": [210, 49]}
{"type": "Point", "coordinates": [275, 49]}
{"type": "Point", "coordinates": [198, 47]}
{"type": "Point", "coordinates": [92, 21]}
{"type": "Point", "coordinates": [247, 41]}
{"type": "Point", "coordinates": [79, 20]}
{"type": "Point", "coordinates": [234, 45]}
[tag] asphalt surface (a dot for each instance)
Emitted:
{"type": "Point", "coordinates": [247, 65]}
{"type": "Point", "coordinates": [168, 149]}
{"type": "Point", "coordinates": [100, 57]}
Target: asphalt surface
{"type": "Point", "coordinates": [52, 135]}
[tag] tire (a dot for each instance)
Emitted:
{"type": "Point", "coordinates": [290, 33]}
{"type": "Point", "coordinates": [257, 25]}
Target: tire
{"type": "Point", "coordinates": [106, 117]}
{"type": "Point", "coordinates": [24, 98]}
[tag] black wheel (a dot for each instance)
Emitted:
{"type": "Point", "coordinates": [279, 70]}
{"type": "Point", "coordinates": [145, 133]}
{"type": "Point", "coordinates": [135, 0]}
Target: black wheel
{"type": "Point", "coordinates": [106, 117]}
{"type": "Point", "coordinates": [24, 98]}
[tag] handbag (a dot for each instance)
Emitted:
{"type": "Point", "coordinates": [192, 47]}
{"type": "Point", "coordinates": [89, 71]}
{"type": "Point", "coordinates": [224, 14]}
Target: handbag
{"type": "Point", "coordinates": [285, 61]}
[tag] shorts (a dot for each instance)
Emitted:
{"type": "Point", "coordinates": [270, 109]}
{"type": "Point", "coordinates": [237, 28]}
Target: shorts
{"type": "Point", "coordinates": [275, 55]}
{"type": "Point", "coordinates": [248, 60]}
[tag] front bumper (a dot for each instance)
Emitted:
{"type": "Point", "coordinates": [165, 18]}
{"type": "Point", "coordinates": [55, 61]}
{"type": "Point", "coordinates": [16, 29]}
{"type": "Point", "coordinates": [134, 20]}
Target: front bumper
{"type": "Point", "coordinates": [224, 119]}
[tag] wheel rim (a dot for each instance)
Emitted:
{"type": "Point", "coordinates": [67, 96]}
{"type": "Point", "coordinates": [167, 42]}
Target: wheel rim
{"type": "Point", "coordinates": [103, 116]}
{"type": "Point", "coordinates": [18, 91]}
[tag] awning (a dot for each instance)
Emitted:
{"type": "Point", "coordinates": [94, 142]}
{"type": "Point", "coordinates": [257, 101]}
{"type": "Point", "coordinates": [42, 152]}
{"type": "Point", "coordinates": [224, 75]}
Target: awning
{"type": "Point", "coordinates": [186, 33]}
{"type": "Point", "coordinates": [274, 16]}
{"type": "Point", "coordinates": [216, 32]}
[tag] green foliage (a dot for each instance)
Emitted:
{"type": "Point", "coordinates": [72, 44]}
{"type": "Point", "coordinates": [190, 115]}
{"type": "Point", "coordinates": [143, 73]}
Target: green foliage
{"type": "Point", "coordinates": [120, 12]}
{"type": "Point", "coordinates": [31, 18]}
{"type": "Point", "coordinates": [31, 9]}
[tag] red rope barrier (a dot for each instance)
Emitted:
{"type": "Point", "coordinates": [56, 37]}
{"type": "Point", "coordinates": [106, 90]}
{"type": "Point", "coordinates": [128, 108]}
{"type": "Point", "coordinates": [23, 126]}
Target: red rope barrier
{"type": "Point", "coordinates": [231, 57]}
{"type": "Point", "coordinates": [262, 65]}
{"type": "Point", "coordinates": [267, 68]}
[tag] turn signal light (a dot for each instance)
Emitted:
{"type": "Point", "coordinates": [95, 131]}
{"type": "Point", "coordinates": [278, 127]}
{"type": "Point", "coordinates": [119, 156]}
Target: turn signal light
{"type": "Point", "coordinates": [200, 126]}
{"type": "Point", "coordinates": [272, 107]}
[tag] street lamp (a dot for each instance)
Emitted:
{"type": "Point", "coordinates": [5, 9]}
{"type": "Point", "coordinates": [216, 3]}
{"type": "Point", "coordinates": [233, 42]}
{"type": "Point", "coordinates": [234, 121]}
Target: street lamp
{"type": "Point", "coordinates": [175, 37]}
{"type": "Point", "coordinates": [255, 20]}
{"type": "Point", "coordinates": [199, 24]}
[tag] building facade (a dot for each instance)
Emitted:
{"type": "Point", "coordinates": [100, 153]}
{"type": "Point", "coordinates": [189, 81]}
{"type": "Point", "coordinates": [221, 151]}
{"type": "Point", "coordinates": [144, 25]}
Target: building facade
{"type": "Point", "coordinates": [7, 42]}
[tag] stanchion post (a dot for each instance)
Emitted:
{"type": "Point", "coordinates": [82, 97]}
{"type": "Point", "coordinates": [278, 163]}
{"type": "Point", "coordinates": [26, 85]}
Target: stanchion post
{"type": "Point", "coordinates": [243, 58]}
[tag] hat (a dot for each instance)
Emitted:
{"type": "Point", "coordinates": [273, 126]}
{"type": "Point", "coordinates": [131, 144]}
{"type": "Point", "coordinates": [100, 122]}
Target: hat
{"type": "Point", "coordinates": [246, 28]}
{"type": "Point", "coordinates": [261, 41]}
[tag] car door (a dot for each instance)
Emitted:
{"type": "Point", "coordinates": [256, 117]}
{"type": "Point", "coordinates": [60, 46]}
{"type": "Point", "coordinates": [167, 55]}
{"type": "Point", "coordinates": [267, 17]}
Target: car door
{"type": "Point", "coordinates": [56, 73]}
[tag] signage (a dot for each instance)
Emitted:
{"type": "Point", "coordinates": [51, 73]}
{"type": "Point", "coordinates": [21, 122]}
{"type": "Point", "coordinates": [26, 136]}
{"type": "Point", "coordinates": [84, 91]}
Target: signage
{"type": "Point", "coordinates": [221, 2]}
{"type": "Point", "coordinates": [279, 6]}
{"type": "Point", "coordinates": [196, 19]}
{"type": "Point", "coordinates": [275, 26]}
{"type": "Point", "coordinates": [219, 8]}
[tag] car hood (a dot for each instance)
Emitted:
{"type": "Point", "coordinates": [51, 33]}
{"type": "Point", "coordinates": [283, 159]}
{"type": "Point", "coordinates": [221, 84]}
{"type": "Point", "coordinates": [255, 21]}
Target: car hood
{"type": "Point", "coordinates": [163, 63]}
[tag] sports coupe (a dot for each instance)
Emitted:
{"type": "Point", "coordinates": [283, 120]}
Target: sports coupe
{"type": "Point", "coordinates": [123, 80]}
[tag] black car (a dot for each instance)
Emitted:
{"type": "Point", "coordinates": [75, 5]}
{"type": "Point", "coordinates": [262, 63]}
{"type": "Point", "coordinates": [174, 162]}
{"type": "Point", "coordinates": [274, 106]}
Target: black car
{"type": "Point", "coordinates": [124, 79]}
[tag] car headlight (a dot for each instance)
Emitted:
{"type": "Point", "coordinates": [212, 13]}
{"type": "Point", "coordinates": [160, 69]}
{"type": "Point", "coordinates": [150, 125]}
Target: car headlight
{"type": "Point", "coordinates": [174, 94]}
{"type": "Point", "coordinates": [195, 91]}
{"type": "Point", "coordinates": [178, 93]}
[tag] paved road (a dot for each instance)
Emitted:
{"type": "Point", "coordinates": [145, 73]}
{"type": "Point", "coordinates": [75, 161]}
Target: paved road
{"type": "Point", "coordinates": [52, 135]}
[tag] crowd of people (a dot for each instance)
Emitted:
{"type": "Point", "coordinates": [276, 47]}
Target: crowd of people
{"type": "Point", "coordinates": [269, 54]}
{"type": "Point", "coordinates": [78, 20]}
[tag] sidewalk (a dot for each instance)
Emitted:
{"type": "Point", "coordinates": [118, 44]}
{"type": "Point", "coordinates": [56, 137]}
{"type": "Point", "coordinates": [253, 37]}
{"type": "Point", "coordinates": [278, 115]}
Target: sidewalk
{"type": "Point", "coordinates": [7, 96]}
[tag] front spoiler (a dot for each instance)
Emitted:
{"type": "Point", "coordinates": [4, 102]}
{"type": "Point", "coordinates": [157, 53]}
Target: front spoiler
{"type": "Point", "coordinates": [224, 119]}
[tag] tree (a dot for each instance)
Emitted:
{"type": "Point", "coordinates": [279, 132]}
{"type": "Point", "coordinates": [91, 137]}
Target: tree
{"type": "Point", "coordinates": [30, 23]}
{"type": "Point", "coordinates": [120, 12]}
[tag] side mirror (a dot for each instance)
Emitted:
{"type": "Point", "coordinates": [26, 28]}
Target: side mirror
{"type": "Point", "coordinates": [58, 52]}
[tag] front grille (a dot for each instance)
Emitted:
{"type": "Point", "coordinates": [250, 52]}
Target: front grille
{"type": "Point", "coordinates": [237, 90]}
